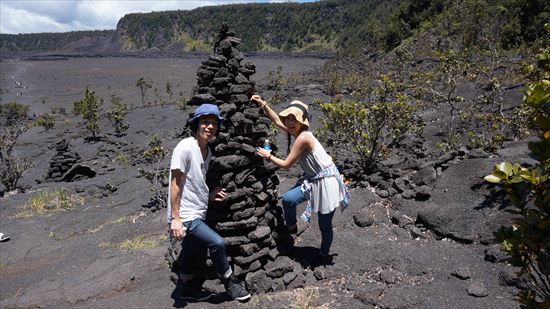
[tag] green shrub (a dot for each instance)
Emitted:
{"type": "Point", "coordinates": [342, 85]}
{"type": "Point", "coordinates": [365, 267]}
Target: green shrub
{"type": "Point", "coordinates": [440, 85]}
{"type": "Point", "coordinates": [169, 90]}
{"type": "Point", "coordinates": [182, 102]}
{"type": "Point", "coordinates": [143, 85]}
{"type": "Point", "coordinates": [116, 115]}
{"type": "Point", "coordinates": [15, 113]}
{"type": "Point", "coordinates": [11, 167]}
{"type": "Point", "coordinates": [123, 158]}
{"type": "Point", "coordinates": [363, 128]}
{"type": "Point", "coordinates": [45, 120]}
{"type": "Point", "coordinates": [88, 108]}
{"type": "Point", "coordinates": [155, 152]}
{"type": "Point", "coordinates": [529, 191]}
{"type": "Point", "coordinates": [157, 176]}
{"type": "Point", "coordinates": [345, 83]}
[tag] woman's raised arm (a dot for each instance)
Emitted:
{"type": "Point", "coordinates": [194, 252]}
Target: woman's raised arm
{"type": "Point", "coordinates": [270, 112]}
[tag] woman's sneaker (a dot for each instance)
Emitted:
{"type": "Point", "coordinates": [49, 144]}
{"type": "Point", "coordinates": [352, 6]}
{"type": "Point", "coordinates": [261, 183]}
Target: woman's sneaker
{"type": "Point", "coordinates": [192, 290]}
{"type": "Point", "coordinates": [235, 288]}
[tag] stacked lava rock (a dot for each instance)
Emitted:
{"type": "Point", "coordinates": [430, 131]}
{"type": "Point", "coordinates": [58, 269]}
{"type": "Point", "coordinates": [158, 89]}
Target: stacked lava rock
{"type": "Point", "coordinates": [63, 161]}
{"type": "Point", "coordinates": [248, 218]}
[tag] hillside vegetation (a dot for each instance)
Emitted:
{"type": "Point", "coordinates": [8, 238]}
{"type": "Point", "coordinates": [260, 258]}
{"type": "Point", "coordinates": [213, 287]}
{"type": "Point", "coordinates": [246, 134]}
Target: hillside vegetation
{"type": "Point", "coordinates": [50, 41]}
{"type": "Point", "coordinates": [331, 25]}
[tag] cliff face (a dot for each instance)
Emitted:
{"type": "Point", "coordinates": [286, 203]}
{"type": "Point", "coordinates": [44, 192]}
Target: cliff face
{"type": "Point", "coordinates": [325, 26]}
{"type": "Point", "coordinates": [288, 27]}
{"type": "Point", "coordinates": [281, 27]}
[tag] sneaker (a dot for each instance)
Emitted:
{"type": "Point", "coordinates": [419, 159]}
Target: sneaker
{"type": "Point", "coordinates": [235, 288]}
{"type": "Point", "coordinates": [4, 237]}
{"type": "Point", "coordinates": [192, 290]}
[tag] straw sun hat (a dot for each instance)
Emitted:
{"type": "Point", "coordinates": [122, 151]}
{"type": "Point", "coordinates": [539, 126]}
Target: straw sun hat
{"type": "Point", "coordinates": [299, 110]}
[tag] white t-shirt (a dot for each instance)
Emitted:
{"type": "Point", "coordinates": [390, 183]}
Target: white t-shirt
{"type": "Point", "coordinates": [187, 157]}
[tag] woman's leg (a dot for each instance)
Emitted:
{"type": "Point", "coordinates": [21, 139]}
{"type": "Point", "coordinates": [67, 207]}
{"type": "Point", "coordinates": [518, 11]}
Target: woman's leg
{"type": "Point", "coordinates": [291, 199]}
{"type": "Point", "coordinates": [199, 232]}
{"type": "Point", "coordinates": [325, 225]}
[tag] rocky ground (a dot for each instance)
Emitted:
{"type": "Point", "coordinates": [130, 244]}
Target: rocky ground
{"type": "Point", "coordinates": [418, 234]}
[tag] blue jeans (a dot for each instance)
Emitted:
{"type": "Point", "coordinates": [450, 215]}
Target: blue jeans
{"type": "Point", "coordinates": [291, 199]}
{"type": "Point", "coordinates": [198, 237]}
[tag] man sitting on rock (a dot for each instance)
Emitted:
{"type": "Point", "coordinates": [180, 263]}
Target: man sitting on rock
{"type": "Point", "coordinates": [188, 190]}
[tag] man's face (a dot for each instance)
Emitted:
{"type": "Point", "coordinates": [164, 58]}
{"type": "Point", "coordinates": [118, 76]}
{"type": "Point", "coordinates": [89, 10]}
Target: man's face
{"type": "Point", "coordinates": [208, 126]}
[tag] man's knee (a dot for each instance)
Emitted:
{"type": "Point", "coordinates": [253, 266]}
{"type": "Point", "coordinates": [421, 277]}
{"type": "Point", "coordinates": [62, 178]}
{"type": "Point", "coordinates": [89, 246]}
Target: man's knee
{"type": "Point", "coordinates": [218, 244]}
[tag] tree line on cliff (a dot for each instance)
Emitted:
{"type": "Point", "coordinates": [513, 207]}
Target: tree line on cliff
{"type": "Point", "coordinates": [323, 26]}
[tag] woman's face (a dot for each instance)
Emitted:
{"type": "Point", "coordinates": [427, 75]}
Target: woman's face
{"type": "Point", "coordinates": [208, 126]}
{"type": "Point", "coordinates": [294, 127]}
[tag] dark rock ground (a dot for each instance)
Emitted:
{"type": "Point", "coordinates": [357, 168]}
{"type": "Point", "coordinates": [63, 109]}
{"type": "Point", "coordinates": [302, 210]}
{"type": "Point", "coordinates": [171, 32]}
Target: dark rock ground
{"type": "Point", "coordinates": [394, 252]}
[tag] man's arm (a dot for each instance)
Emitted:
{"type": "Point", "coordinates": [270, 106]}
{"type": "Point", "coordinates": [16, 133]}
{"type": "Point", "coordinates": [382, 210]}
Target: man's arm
{"type": "Point", "coordinates": [176, 226]}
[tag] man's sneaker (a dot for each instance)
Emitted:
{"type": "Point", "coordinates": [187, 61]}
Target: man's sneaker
{"type": "Point", "coordinates": [192, 290]}
{"type": "Point", "coordinates": [235, 288]}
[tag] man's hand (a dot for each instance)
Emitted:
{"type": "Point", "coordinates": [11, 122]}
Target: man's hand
{"type": "Point", "coordinates": [176, 227]}
{"type": "Point", "coordinates": [217, 195]}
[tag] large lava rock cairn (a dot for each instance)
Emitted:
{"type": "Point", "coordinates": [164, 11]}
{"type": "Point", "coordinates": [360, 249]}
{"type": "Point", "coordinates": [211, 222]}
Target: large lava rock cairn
{"type": "Point", "coordinates": [249, 219]}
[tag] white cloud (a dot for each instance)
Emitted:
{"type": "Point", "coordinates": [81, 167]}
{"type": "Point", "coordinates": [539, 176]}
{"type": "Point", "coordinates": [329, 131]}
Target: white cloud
{"type": "Point", "coordinates": [31, 16]}
{"type": "Point", "coordinates": [14, 20]}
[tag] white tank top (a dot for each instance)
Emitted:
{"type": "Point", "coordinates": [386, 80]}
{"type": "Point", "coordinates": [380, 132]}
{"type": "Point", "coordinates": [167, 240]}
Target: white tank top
{"type": "Point", "coordinates": [314, 162]}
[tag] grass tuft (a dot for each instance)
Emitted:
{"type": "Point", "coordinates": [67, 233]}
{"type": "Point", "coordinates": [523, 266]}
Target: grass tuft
{"type": "Point", "coordinates": [45, 202]}
{"type": "Point", "coordinates": [137, 243]}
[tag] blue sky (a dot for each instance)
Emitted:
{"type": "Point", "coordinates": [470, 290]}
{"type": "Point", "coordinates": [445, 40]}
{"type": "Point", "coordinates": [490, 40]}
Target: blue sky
{"type": "Point", "coordinates": [32, 16]}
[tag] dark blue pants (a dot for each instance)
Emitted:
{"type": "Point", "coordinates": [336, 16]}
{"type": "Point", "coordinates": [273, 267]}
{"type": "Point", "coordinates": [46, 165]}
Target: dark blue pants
{"type": "Point", "coordinates": [291, 199]}
{"type": "Point", "coordinates": [198, 237]}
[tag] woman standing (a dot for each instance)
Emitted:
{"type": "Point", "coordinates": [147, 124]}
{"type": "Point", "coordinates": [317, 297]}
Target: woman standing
{"type": "Point", "coordinates": [321, 185]}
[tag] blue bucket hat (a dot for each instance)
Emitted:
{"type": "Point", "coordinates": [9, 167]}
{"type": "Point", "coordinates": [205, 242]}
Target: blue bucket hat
{"type": "Point", "coordinates": [206, 109]}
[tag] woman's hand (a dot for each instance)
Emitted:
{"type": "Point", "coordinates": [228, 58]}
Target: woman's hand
{"type": "Point", "coordinates": [176, 227]}
{"type": "Point", "coordinates": [256, 98]}
{"type": "Point", "coordinates": [217, 195]}
{"type": "Point", "coordinates": [263, 153]}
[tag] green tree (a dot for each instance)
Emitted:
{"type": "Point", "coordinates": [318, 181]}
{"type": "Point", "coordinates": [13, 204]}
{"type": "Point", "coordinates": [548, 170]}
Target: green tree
{"type": "Point", "coordinates": [143, 85]}
{"type": "Point", "coordinates": [116, 115]}
{"type": "Point", "coordinates": [169, 90]}
{"type": "Point", "coordinates": [12, 168]}
{"type": "Point", "coordinates": [365, 127]}
{"type": "Point", "coordinates": [88, 108]}
{"type": "Point", "coordinates": [158, 178]}
{"type": "Point", "coordinates": [14, 112]}
{"type": "Point", "coordinates": [441, 86]}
